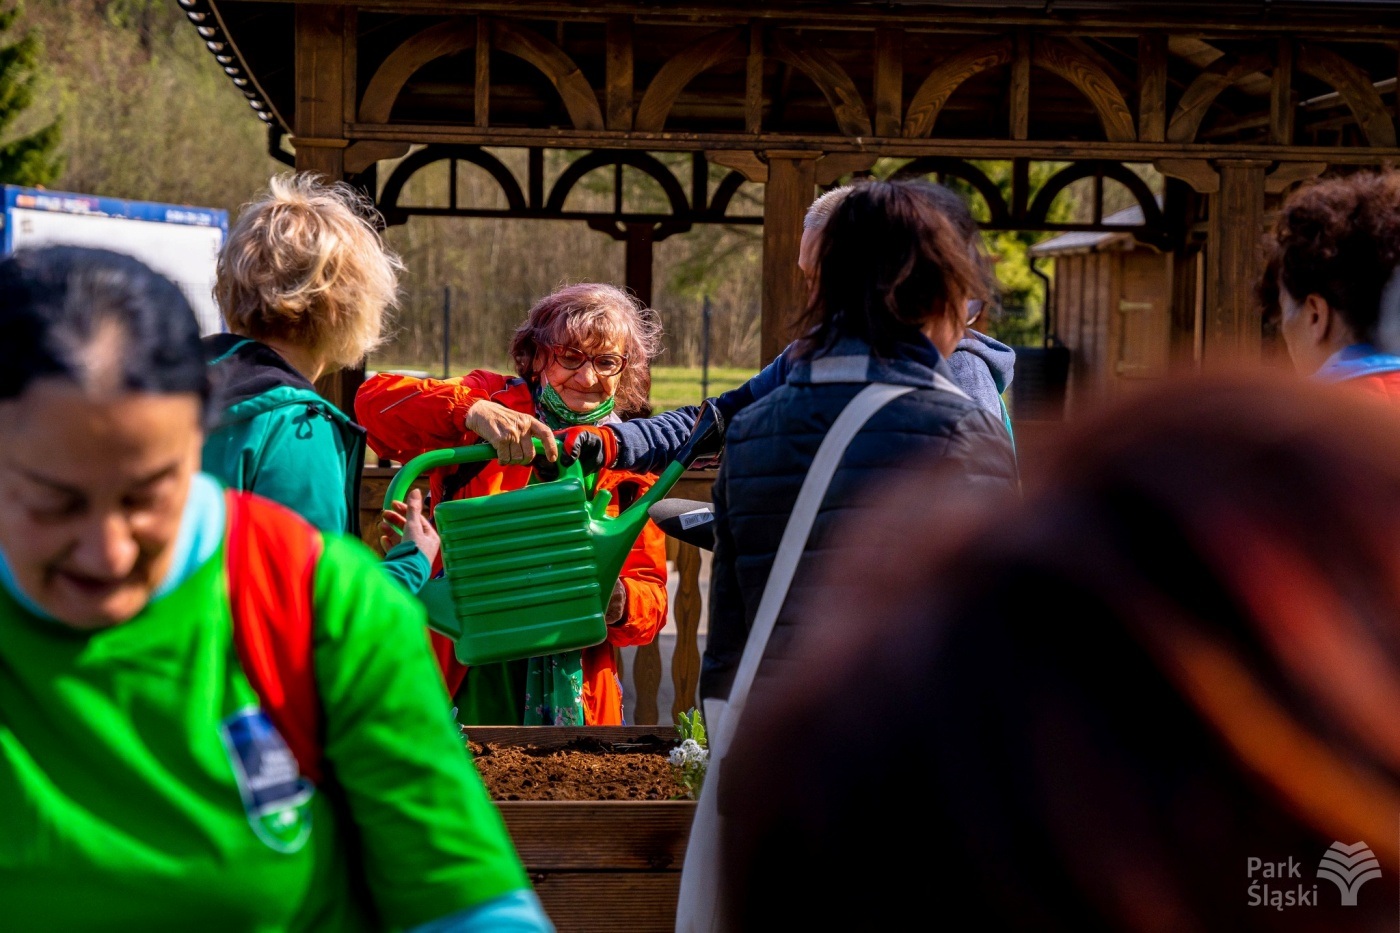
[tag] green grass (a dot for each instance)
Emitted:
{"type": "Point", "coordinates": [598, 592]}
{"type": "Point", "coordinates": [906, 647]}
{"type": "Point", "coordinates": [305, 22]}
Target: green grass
{"type": "Point", "coordinates": [674, 386]}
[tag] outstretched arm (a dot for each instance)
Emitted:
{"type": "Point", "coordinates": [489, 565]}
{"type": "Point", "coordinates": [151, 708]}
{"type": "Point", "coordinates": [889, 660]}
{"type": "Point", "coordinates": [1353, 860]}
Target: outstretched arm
{"type": "Point", "coordinates": [647, 445]}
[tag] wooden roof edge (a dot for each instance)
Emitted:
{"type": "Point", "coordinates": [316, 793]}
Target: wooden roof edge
{"type": "Point", "coordinates": [1249, 15]}
{"type": "Point", "coordinates": [204, 16]}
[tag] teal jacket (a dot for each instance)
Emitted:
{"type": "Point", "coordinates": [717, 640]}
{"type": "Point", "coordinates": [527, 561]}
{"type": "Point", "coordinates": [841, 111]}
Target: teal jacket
{"type": "Point", "coordinates": [275, 435]}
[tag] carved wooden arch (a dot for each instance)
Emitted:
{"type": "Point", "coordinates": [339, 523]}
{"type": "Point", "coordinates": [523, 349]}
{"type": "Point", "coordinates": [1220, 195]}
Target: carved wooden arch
{"type": "Point", "coordinates": [974, 176]}
{"type": "Point", "coordinates": [1354, 87]}
{"type": "Point", "coordinates": [393, 187]}
{"type": "Point", "coordinates": [939, 86]}
{"type": "Point", "coordinates": [824, 70]}
{"type": "Point", "coordinates": [831, 79]}
{"type": "Point", "coordinates": [1040, 207]}
{"type": "Point", "coordinates": [1079, 68]}
{"type": "Point", "coordinates": [641, 161]}
{"type": "Point", "coordinates": [459, 34]}
{"type": "Point", "coordinates": [1349, 81]}
{"type": "Point", "coordinates": [728, 186]}
{"type": "Point", "coordinates": [1202, 92]}
{"type": "Point", "coordinates": [673, 77]}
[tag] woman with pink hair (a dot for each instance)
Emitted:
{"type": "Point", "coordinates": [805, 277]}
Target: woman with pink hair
{"type": "Point", "coordinates": [582, 358]}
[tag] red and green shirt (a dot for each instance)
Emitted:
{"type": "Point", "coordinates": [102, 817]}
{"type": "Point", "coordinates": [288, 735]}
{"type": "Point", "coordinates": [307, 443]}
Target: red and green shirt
{"type": "Point", "coordinates": [124, 772]}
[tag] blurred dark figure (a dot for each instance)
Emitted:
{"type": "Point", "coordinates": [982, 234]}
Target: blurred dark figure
{"type": "Point", "coordinates": [1092, 710]}
{"type": "Point", "coordinates": [1331, 287]}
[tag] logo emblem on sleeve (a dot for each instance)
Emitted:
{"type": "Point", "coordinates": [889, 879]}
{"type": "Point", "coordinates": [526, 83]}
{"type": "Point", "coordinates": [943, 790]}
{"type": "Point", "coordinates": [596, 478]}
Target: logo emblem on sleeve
{"type": "Point", "coordinates": [275, 796]}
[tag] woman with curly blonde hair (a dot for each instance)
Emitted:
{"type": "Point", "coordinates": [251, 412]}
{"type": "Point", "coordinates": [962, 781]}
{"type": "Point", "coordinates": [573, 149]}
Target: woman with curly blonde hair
{"type": "Point", "coordinates": [304, 284]}
{"type": "Point", "coordinates": [582, 359]}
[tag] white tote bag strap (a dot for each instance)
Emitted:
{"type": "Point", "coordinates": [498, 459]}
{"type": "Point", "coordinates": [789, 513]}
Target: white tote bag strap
{"type": "Point", "coordinates": [794, 542]}
{"type": "Point", "coordinates": [699, 907]}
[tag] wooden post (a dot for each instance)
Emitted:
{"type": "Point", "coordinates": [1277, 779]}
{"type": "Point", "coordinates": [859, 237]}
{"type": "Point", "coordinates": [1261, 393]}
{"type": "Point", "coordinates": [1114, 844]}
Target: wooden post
{"type": "Point", "coordinates": [481, 87]}
{"type": "Point", "coordinates": [889, 81]}
{"type": "Point", "coordinates": [786, 197]}
{"type": "Point", "coordinates": [1233, 330]}
{"type": "Point", "coordinates": [639, 266]}
{"type": "Point", "coordinates": [319, 123]}
{"type": "Point", "coordinates": [618, 74]}
{"type": "Point", "coordinates": [319, 134]}
{"type": "Point", "coordinates": [1020, 92]}
{"type": "Point", "coordinates": [753, 81]}
{"type": "Point", "coordinates": [1152, 87]}
{"type": "Point", "coordinates": [1281, 95]}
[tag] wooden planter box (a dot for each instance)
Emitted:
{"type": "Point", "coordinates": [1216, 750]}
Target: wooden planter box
{"type": "Point", "coordinates": [598, 865]}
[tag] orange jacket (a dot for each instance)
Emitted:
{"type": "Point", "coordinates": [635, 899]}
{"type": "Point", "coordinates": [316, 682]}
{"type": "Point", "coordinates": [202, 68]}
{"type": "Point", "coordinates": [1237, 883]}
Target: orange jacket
{"type": "Point", "coordinates": [407, 416]}
{"type": "Point", "coordinates": [1381, 385]}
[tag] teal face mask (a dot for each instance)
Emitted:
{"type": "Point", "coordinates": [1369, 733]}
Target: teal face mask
{"type": "Point", "coordinates": [558, 415]}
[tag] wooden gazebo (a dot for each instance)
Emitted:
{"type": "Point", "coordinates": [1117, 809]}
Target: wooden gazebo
{"type": "Point", "coordinates": [1233, 100]}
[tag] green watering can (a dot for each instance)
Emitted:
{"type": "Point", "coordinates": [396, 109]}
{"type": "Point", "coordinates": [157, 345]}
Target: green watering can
{"type": "Point", "coordinates": [530, 571]}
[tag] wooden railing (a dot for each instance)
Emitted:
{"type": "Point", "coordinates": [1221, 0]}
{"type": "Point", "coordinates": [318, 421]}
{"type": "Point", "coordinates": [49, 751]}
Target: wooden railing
{"type": "Point", "coordinates": [685, 606]}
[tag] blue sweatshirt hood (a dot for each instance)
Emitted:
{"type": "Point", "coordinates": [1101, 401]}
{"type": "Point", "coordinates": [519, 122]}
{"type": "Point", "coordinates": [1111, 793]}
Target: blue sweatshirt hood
{"type": "Point", "coordinates": [1000, 359]}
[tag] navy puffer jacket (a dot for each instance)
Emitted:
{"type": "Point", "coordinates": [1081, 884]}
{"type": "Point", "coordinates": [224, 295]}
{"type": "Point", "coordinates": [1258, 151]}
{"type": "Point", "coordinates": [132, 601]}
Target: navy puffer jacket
{"type": "Point", "coordinates": [769, 448]}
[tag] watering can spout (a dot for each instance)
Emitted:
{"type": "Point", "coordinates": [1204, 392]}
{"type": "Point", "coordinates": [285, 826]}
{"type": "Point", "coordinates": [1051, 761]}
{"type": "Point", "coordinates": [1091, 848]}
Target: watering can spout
{"type": "Point", "coordinates": [616, 536]}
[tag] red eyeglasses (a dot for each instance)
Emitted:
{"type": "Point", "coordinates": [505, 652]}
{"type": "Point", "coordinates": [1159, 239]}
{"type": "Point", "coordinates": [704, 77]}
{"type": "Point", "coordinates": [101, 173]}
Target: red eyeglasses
{"type": "Point", "coordinates": [604, 364]}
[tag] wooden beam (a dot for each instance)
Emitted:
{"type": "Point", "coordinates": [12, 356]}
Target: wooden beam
{"type": "Point", "coordinates": [481, 90]}
{"type": "Point", "coordinates": [350, 50]}
{"type": "Point", "coordinates": [1198, 173]}
{"type": "Point", "coordinates": [786, 197]}
{"type": "Point", "coordinates": [618, 74]}
{"type": "Point", "coordinates": [1020, 94]}
{"type": "Point", "coordinates": [1054, 150]}
{"type": "Point", "coordinates": [1287, 174]}
{"type": "Point", "coordinates": [889, 81]}
{"type": "Point", "coordinates": [743, 161]}
{"type": "Point", "coordinates": [1152, 87]}
{"type": "Point", "coordinates": [319, 121]}
{"type": "Point", "coordinates": [1364, 25]}
{"type": "Point", "coordinates": [1233, 328]}
{"type": "Point", "coordinates": [1281, 95]}
{"type": "Point", "coordinates": [753, 81]}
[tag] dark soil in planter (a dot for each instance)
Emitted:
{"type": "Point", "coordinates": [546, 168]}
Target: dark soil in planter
{"type": "Point", "coordinates": [585, 768]}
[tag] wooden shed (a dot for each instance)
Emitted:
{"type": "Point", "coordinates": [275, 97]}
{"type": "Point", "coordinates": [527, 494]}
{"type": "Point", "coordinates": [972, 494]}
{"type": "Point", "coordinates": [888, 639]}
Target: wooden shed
{"type": "Point", "coordinates": [1110, 304]}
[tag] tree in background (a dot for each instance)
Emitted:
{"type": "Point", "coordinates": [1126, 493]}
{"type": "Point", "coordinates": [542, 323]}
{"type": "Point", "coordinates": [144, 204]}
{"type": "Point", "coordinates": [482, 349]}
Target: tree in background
{"type": "Point", "coordinates": [145, 111]}
{"type": "Point", "coordinates": [32, 158]}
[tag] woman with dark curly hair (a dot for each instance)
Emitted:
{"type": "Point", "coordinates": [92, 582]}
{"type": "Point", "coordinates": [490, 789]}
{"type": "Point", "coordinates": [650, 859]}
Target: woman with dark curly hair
{"type": "Point", "coordinates": [582, 357]}
{"type": "Point", "coordinates": [1332, 281]}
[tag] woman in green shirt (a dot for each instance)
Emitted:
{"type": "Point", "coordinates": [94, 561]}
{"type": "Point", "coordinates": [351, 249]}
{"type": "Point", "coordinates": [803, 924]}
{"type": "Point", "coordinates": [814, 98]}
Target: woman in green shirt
{"type": "Point", "coordinates": [165, 761]}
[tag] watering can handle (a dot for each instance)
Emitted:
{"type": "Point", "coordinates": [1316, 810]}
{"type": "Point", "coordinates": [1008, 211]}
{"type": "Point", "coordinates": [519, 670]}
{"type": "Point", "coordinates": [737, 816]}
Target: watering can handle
{"type": "Point", "coordinates": [448, 456]}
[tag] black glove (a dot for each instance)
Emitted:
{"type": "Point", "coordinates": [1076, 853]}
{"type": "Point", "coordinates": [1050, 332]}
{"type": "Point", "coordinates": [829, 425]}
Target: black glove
{"type": "Point", "coordinates": [593, 446]}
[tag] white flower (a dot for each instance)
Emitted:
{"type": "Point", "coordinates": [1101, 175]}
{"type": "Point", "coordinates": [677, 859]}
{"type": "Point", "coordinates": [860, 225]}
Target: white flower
{"type": "Point", "coordinates": [688, 754]}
